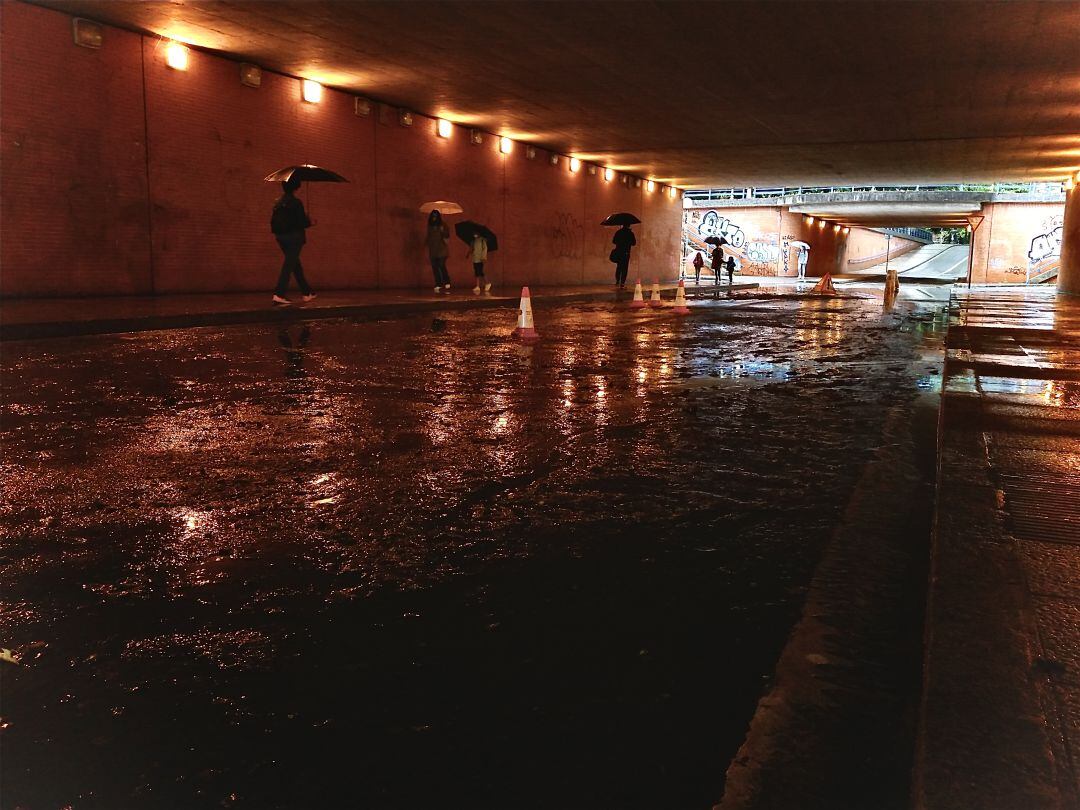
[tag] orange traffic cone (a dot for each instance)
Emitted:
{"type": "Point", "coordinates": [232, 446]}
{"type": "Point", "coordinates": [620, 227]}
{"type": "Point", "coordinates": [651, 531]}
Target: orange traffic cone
{"type": "Point", "coordinates": [525, 329]}
{"type": "Point", "coordinates": [655, 300]}
{"type": "Point", "coordinates": [680, 300]}
{"type": "Point", "coordinates": [639, 299]}
{"type": "Point", "coordinates": [824, 287]}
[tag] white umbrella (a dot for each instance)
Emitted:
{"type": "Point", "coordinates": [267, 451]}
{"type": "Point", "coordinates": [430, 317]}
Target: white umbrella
{"type": "Point", "coordinates": [796, 243]}
{"type": "Point", "coordinates": [442, 206]}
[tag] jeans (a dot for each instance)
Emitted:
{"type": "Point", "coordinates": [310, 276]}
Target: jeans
{"type": "Point", "coordinates": [622, 267]}
{"type": "Point", "coordinates": [438, 268]}
{"type": "Point", "coordinates": [291, 245]}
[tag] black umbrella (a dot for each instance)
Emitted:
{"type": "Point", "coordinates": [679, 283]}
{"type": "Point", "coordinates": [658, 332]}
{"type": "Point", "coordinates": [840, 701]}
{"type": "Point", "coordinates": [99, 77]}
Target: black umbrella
{"type": "Point", "coordinates": [307, 173]}
{"type": "Point", "coordinates": [621, 218]}
{"type": "Point", "coordinates": [715, 240]}
{"type": "Point", "coordinates": [469, 230]}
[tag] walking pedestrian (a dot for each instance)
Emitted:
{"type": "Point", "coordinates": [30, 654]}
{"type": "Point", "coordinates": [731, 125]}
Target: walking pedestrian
{"type": "Point", "coordinates": [730, 269]}
{"type": "Point", "coordinates": [288, 223]}
{"type": "Point", "coordinates": [804, 257]}
{"type": "Point", "coordinates": [699, 262]}
{"type": "Point", "coordinates": [624, 240]}
{"type": "Point", "coordinates": [438, 238]}
{"type": "Point", "coordinates": [477, 254]}
{"type": "Point", "coordinates": [717, 262]}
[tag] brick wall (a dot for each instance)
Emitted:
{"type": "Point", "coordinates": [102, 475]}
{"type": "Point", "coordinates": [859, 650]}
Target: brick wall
{"type": "Point", "coordinates": [122, 176]}
{"type": "Point", "coordinates": [1017, 241]}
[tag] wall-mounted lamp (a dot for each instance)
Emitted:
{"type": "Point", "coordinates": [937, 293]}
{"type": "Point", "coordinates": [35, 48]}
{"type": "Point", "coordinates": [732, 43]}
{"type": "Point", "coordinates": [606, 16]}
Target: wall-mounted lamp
{"type": "Point", "coordinates": [673, 192]}
{"type": "Point", "coordinates": [847, 230]}
{"type": "Point", "coordinates": [836, 228]}
{"type": "Point", "coordinates": [608, 174]}
{"type": "Point", "coordinates": [176, 56]}
{"type": "Point", "coordinates": [575, 164]}
{"type": "Point", "coordinates": [809, 220]}
{"type": "Point", "coordinates": [312, 91]}
{"type": "Point", "coordinates": [592, 169]}
{"type": "Point", "coordinates": [250, 75]}
{"type": "Point", "coordinates": [476, 136]}
{"type": "Point", "coordinates": [444, 128]}
{"type": "Point", "coordinates": [650, 185]}
{"type": "Point", "coordinates": [637, 181]}
{"type": "Point", "coordinates": [821, 223]}
{"type": "Point", "coordinates": [506, 146]}
{"type": "Point", "coordinates": [530, 152]}
{"type": "Point", "coordinates": [88, 34]}
{"type": "Point", "coordinates": [405, 118]}
{"type": "Point", "coordinates": [362, 106]}
{"type": "Point", "coordinates": [553, 159]}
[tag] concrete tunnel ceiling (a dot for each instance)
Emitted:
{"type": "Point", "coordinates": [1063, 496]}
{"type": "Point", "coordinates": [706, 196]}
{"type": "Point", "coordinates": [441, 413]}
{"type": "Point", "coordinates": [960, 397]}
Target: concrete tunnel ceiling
{"type": "Point", "coordinates": [698, 94]}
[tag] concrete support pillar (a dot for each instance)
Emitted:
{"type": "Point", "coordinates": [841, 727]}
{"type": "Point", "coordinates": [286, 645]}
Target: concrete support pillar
{"type": "Point", "coordinates": [1069, 274]}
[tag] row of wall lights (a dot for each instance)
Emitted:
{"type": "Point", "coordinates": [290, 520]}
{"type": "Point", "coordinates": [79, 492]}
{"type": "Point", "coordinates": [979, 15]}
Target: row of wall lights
{"type": "Point", "coordinates": [837, 228]}
{"type": "Point", "coordinates": [176, 57]}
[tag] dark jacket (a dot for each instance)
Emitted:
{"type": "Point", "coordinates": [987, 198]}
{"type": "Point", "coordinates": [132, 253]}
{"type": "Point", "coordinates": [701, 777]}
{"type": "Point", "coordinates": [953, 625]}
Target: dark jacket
{"type": "Point", "coordinates": [717, 258]}
{"type": "Point", "coordinates": [289, 219]}
{"type": "Point", "coordinates": [623, 240]}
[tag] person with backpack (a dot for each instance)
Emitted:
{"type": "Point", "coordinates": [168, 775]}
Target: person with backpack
{"type": "Point", "coordinates": [288, 222]}
{"type": "Point", "coordinates": [623, 240]}
{"type": "Point", "coordinates": [699, 262]}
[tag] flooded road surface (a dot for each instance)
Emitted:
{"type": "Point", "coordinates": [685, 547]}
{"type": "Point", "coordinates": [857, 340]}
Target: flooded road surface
{"type": "Point", "coordinates": [412, 563]}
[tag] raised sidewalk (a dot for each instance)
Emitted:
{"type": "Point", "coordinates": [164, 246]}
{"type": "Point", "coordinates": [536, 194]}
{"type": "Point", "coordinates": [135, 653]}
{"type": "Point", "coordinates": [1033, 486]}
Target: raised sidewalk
{"type": "Point", "coordinates": [1000, 720]}
{"type": "Point", "coordinates": [22, 319]}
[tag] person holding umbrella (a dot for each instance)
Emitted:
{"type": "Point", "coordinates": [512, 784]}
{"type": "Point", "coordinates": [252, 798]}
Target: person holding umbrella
{"type": "Point", "coordinates": [438, 237]}
{"type": "Point", "coordinates": [623, 240]}
{"type": "Point", "coordinates": [288, 222]}
{"type": "Point", "coordinates": [480, 240]}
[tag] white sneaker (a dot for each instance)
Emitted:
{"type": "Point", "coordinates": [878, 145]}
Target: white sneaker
{"type": "Point", "coordinates": [487, 287]}
{"type": "Point", "coordinates": [310, 297]}
{"type": "Point", "coordinates": [446, 287]}
{"type": "Point", "coordinates": [476, 290]}
{"type": "Point", "coordinates": [277, 299]}
{"type": "Point", "coordinates": [438, 289]}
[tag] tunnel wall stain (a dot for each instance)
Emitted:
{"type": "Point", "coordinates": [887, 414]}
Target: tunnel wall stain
{"type": "Point", "coordinates": [123, 176]}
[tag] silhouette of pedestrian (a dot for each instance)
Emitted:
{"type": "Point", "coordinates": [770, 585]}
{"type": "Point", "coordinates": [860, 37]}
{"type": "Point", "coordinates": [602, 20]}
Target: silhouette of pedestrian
{"type": "Point", "coordinates": [717, 263]}
{"type": "Point", "coordinates": [730, 269]}
{"type": "Point", "coordinates": [438, 236]}
{"type": "Point", "coordinates": [288, 223]}
{"type": "Point", "coordinates": [699, 262]}
{"type": "Point", "coordinates": [624, 240]}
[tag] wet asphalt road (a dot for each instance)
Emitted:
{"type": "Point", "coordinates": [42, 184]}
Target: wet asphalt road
{"type": "Point", "coordinates": [412, 563]}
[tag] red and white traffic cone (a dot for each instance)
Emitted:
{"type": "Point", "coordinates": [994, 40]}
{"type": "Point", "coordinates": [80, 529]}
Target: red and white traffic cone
{"type": "Point", "coordinates": [525, 329]}
{"type": "Point", "coordinates": [824, 287]}
{"type": "Point", "coordinates": [639, 299]}
{"type": "Point", "coordinates": [680, 300]}
{"type": "Point", "coordinates": [655, 300]}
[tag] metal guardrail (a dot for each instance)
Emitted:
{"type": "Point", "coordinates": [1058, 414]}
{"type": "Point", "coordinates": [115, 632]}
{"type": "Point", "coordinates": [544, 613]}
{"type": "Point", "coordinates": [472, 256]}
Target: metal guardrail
{"type": "Point", "coordinates": [922, 234]}
{"type": "Point", "coordinates": [787, 191]}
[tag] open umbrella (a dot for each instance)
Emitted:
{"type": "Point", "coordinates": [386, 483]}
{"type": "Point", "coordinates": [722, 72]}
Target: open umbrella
{"type": "Point", "coordinates": [796, 243]}
{"type": "Point", "coordinates": [715, 240]}
{"type": "Point", "coordinates": [444, 207]}
{"type": "Point", "coordinates": [621, 218]}
{"type": "Point", "coordinates": [307, 173]}
{"type": "Point", "coordinates": [469, 230]}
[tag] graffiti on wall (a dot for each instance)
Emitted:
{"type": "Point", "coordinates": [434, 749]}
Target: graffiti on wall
{"type": "Point", "coordinates": [712, 224]}
{"type": "Point", "coordinates": [567, 237]}
{"type": "Point", "coordinates": [1047, 243]}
